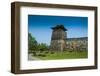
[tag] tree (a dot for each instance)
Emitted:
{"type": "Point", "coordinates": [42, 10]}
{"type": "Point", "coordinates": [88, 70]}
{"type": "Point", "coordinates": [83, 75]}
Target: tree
{"type": "Point", "coordinates": [32, 43]}
{"type": "Point", "coordinates": [34, 46]}
{"type": "Point", "coordinates": [43, 47]}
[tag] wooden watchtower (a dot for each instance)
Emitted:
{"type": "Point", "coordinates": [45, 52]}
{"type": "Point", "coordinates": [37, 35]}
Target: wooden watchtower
{"type": "Point", "coordinates": [58, 38]}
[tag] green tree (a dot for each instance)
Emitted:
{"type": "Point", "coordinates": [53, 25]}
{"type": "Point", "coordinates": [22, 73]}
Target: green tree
{"type": "Point", "coordinates": [43, 47]}
{"type": "Point", "coordinates": [34, 46]}
{"type": "Point", "coordinates": [32, 43]}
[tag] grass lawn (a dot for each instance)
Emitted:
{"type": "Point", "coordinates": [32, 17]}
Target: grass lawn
{"type": "Point", "coordinates": [64, 55]}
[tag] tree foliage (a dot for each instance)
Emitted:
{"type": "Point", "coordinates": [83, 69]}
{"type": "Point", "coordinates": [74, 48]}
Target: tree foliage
{"type": "Point", "coordinates": [33, 45]}
{"type": "Point", "coordinates": [43, 47]}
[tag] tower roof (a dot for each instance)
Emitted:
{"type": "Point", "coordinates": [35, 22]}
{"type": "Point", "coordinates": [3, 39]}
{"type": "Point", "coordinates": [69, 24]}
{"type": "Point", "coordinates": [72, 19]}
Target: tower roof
{"type": "Point", "coordinates": [59, 27]}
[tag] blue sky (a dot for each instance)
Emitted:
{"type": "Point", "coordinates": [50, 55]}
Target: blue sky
{"type": "Point", "coordinates": [40, 26]}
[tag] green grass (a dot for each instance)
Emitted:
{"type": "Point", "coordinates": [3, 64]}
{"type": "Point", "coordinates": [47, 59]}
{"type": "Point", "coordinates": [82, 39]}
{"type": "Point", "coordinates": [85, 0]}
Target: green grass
{"type": "Point", "coordinates": [64, 55]}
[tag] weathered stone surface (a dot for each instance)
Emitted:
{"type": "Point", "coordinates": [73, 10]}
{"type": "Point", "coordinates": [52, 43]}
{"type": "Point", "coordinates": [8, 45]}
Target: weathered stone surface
{"type": "Point", "coordinates": [58, 39]}
{"type": "Point", "coordinates": [80, 44]}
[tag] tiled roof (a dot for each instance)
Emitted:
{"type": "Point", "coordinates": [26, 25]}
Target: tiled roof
{"type": "Point", "coordinates": [59, 27]}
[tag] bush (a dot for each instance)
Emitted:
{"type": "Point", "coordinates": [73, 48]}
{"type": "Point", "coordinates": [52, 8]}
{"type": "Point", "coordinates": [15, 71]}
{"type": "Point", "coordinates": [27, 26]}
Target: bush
{"type": "Point", "coordinates": [46, 52]}
{"type": "Point", "coordinates": [34, 54]}
{"type": "Point", "coordinates": [52, 52]}
{"type": "Point", "coordinates": [42, 55]}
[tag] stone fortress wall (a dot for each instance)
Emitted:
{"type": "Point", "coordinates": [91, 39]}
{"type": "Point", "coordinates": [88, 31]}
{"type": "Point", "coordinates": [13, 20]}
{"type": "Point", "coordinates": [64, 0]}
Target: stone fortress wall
{"type": "Point", "coordinates": [60, 42]}
{"type": "Point", "coordinates": [80, 43]}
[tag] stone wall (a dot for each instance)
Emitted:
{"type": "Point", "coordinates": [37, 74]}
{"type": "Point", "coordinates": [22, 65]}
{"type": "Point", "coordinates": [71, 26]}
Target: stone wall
{"type": "Point", "coordinates": [80, 44]}
{"type": "Point", "coordinates": [60, 42]}
{"type": "Point", "coordinates": [58, 45]}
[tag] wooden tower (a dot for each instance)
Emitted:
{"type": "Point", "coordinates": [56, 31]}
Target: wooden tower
{"type": "Point", "coordinates": [58, 39]}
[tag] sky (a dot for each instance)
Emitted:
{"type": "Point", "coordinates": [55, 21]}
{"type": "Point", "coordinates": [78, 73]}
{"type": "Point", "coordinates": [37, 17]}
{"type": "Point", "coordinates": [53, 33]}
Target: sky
{"type": "Point", "coordinates": [40, 26]}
